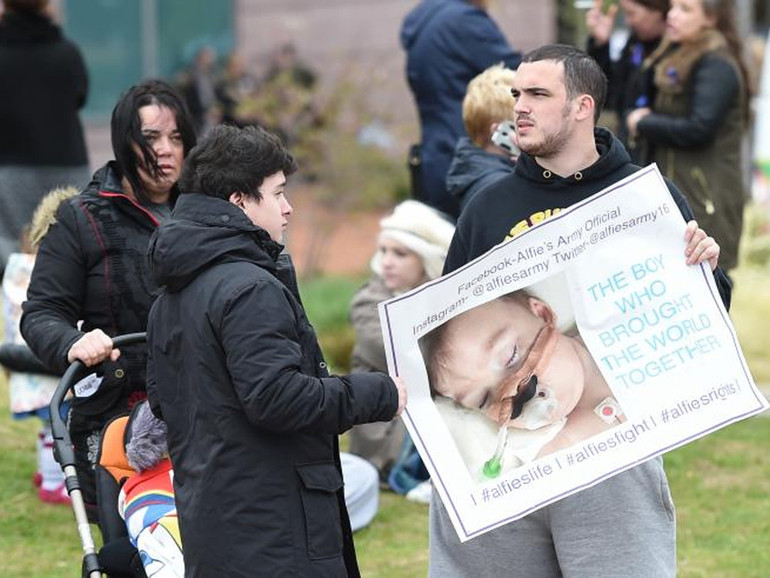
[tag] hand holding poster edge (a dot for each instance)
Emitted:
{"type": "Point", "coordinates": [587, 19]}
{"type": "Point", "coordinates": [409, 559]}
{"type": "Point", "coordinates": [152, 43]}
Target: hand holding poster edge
{"type": "Point", "coordinates": [580, 239]}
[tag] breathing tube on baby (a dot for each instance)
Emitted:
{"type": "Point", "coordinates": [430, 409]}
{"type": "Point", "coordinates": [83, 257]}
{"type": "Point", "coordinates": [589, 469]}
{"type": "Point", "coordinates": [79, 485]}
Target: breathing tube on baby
{"type": "Point", "coordinates": [517, 390]}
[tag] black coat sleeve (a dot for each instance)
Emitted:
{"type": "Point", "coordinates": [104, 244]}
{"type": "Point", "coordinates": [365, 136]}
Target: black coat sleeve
{"type": "Point", "coordinates": [715, 88]}
{"type": "Point", "coordinates": [264, 360]}
{"type": "Point", "coordinates": [56, 292]}
{"type": "Point", "coordinates": [724, 285]}
{"type": "Point", "coordinates": [79, 75]}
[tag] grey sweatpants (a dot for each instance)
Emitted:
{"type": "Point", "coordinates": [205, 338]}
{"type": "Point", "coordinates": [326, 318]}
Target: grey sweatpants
{"type": "Point", "coordinates": [623, 527]}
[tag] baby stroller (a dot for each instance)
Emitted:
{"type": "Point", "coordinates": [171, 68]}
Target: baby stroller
{"type": "Point", "coordinates": [117, 558]}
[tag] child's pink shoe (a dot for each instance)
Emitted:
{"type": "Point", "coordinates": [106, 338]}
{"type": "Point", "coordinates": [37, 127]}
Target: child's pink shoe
{"type": "Point", "coordinates": [37, 479]}
{"type": "Point", "coordinates": [57, 496]}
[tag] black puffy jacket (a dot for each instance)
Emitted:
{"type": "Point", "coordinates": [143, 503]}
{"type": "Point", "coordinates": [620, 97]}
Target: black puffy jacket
{"type": "Point", "coordinates": [253, 417]}
{"type": "Point", "coordinates": [91, 267]}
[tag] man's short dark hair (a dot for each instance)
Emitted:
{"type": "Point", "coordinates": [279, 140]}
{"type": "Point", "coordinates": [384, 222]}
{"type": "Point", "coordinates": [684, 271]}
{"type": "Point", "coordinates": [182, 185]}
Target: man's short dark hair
{"type": "Point", "coordinates": [234, 160]}
{"type": "Point", "coordinates": [126, 128]}
{"type": "Point", "coordinates": [582, 74]}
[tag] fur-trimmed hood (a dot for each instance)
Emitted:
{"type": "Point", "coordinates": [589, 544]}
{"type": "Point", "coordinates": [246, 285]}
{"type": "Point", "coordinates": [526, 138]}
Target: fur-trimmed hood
{"type": "Point", "coordinates": [45, 213]}
{"type": "Point", "coordinates": [675, 62]}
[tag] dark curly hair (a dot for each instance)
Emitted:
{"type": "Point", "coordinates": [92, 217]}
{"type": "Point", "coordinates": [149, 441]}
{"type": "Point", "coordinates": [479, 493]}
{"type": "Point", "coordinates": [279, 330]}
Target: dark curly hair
{"type": "Point", "coordinates": [231, 159]}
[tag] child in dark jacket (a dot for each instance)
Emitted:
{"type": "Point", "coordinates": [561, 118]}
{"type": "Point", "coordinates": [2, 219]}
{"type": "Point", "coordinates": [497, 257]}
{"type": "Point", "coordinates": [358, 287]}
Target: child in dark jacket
{"type": "Point", "coordinates": [481, 158]}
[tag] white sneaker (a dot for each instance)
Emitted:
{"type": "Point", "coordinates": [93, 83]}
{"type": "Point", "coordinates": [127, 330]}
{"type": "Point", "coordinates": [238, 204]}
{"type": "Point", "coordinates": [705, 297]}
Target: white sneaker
{"type": "Point", "coordinates": [420, 493]}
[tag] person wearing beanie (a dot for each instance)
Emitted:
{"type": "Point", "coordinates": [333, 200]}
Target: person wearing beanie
{"type": "Point", "coordinates": [411, 249]}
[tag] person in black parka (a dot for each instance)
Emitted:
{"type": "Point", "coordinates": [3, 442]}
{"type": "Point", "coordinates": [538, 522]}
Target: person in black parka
{"type": "Point", "coordinates": [236, 372]}
{"type": "Point", "coordinates": [44, 85]}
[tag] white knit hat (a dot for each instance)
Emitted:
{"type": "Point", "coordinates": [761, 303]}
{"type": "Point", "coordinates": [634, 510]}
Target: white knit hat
{"type": "Point", "coordinates": [420, 229]}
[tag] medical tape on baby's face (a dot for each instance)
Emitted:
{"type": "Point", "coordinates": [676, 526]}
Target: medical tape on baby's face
{"type": "Point", "coordinates": [539, 411]}
{"type": "Point", "coordinates": [521, 386]}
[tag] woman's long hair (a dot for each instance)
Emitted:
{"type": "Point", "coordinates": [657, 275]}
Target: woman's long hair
{"type": "Point", "coordinates": [723, 12]}
{"type": "Point", "coordinates": [126, 128]}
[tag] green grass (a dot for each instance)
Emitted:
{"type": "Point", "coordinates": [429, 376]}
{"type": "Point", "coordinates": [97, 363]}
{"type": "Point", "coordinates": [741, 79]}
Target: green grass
{"type": "Point", "coordinates": [721, 484]}
{"type": "Point", "coordinates": [721, 487]}
{"type": "Point", "coordinates": [36, 539]}
{"type": "Point", "coordinates": [326, 301]}
{"type": "Point", "coordinates": [750, 313]}
{"type": "Point", "coordinates": [395, 545]}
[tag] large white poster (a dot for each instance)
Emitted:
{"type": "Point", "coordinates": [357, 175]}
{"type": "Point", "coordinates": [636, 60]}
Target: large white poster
{"type": "Point", "coordinates": [577, 350]}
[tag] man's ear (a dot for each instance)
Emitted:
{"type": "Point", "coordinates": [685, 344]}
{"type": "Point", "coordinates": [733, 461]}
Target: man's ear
{"type": "Point", "coordinates": [585, 107]}
{"type": "Point", "coordinates": [542, 310]}
{"type": "Point", "coordinates": [236, 199]}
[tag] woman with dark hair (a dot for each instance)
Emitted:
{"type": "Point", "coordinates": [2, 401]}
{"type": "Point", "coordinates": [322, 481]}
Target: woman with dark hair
{"type": "Point", "coordinates": [695, 127]}
{"type": "Point", "coordinates": [91, 281]}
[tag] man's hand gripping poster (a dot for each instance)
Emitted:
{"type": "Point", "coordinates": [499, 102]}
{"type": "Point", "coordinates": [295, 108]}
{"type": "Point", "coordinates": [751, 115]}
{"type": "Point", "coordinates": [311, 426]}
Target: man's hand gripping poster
{"type": "Point", "coordinates": [562, 357]}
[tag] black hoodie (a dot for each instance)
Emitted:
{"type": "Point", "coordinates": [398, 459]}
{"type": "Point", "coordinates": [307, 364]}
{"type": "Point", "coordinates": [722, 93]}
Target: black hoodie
{"type": "Point", "coordinates": [253, 416]}
{"type": "Point", "coordinates": [532, 194]}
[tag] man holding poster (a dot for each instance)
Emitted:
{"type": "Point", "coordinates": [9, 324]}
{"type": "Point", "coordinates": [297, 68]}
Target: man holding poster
{"type": "Point", "coordinates": [625, 524]}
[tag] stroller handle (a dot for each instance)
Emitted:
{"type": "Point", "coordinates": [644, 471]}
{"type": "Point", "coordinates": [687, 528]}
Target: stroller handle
{"type": "Point", "coordinates": [64, 452]}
